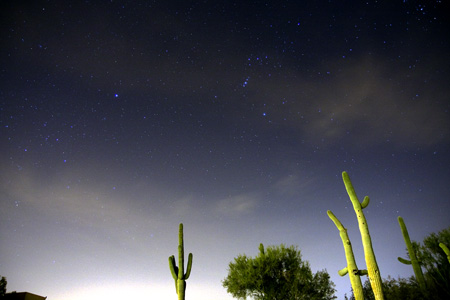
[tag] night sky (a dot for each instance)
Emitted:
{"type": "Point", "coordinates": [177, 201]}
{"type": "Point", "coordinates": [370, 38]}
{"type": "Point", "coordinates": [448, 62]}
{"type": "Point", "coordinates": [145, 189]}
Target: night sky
{"type": "Point", "coordinates": [121, 119]}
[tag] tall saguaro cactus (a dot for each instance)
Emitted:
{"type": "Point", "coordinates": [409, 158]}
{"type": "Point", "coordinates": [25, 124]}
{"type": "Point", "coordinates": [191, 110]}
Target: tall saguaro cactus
{"type": "Point", "coordinates": [371, 262]}
{"type": "Point", "coordinates": [412, 255]}
{"type": "Point", "coordinates": [178, 272]}
{"type": "Point", "coordinates": [352, 269]}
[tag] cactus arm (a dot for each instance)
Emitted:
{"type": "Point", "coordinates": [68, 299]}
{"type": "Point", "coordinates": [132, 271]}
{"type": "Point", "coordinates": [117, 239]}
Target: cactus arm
{"type": "Point", "coordinates": [355, 279]}
{"type": "Point", "coordinates": [189, 266]}
{"type": "Point", "coordinates": [412, 255]}
{"type": "Point", "coordinates": [365, 202]}
{"type": "Point", "coordinates": [174, 270]}
{"type": "Point", "coordinates": [173, 267]}
{"type": "Point", "coordinates": [371, 262]}
{"type": "Point", "coordinates": [362, 272]}
{"type": "Point", "coordinates": [446, 250]}
{"type": "Point", "coordinates": [343, 272]}
{"type": "Point", "coordinates": [404, 261]}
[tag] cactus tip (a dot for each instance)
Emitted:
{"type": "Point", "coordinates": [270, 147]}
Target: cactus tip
{"type": "Point", "coordinates": [343, 271]}
{"type": "Point", "coordinates": [404, 261]}
{"type": "Point", "coordinates": [365, 202]}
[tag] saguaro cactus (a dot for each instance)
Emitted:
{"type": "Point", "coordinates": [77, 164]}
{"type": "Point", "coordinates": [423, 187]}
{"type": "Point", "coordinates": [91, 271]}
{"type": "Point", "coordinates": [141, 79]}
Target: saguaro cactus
{"type": "Point", "coordinates": [178, 272]}
{"type": "Point", "coordinates": [261, 248]}
{"type": "Point", "coordinates": [352, 270]}
{"type": "Point", "coordinates": [412, 255]}
{"type": "Point", "coordinates": [371, 262]}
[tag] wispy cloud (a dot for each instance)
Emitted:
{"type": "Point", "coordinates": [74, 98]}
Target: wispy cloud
{"type": "Point", "coordinates": [96, 212]}
{"type": "Point", "coordinates": [366, 102]}
{"type": "Point", "coordinates": [292, 184]}
{"type": "Point", "coordinates": [238, 205]}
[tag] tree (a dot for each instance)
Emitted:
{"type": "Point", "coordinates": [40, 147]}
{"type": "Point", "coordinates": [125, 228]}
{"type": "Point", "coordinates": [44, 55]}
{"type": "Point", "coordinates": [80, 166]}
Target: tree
{"type": "Point", "coordinates": [434, 260]}
{"type": "Point", "coordinates": [277, 273]}
{"type": "Point", "coordinates": [3, 283]}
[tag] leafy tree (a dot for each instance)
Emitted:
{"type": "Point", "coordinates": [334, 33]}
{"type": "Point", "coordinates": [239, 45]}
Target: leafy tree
{"type": "Point", "coordinates": [277, 273]}
{"type": "Point", "coordinates": [3, 283]}
{"type": "Point", "coordinates": [436, 264]}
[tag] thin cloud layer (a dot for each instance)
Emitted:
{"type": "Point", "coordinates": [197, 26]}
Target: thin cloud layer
{"type": "Point", "coordinates": [238, 206]}
{"type": "Point", "coordinates": [362, 103]}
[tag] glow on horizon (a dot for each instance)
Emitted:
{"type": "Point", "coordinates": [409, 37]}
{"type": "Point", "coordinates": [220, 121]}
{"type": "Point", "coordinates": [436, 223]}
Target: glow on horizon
{"type": "Point", "coordinates": [120, 291]}
{"type": "Point", "coordinates": [139, 290]}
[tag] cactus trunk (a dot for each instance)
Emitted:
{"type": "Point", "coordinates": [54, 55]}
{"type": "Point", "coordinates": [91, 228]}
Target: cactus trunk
{"type": "Point", "coordinates": [351, 269]}
{"type": "Point", "coordinates": [412, 256]}
{"type": "Point", "coordinates": [371, 262]}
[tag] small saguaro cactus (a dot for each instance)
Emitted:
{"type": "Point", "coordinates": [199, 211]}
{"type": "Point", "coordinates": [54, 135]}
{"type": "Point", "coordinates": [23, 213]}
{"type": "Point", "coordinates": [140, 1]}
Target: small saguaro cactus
{"type": "Point", "coordinates": [446, 250]}
{"type": "Point", "coordinates": [178, 272]}
{"type": "Point", "coordinates": [412, 255]}
{"type": "Point", "coordinates": [261, 249]}
{"type": "Point", "coordinates": [369, 254]}
{"type": "Point", "coordinates": [351, 268]}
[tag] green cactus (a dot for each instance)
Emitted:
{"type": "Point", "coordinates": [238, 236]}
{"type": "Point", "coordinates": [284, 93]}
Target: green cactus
{"type": "Point", "coordinates": [371, 262]}
{"type": "Point", "coordinates": [261, 248]}
{"type": "Point", "coordinates": [354, 273]}
{"type": "Point", "coordinates": [412, 255]}
{"type": "Point", "coordinates": [178, 272]}
{"type": "Point", "coordinates": [446, 250]}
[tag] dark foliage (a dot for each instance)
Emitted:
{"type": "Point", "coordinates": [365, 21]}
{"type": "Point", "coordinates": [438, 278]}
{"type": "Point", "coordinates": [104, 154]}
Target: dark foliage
{"type": "Point", "coordinates": [3, 284]}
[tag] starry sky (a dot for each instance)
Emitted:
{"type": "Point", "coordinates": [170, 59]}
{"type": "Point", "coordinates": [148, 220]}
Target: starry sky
{"type": "Point", "coordinates": [121, 119]}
